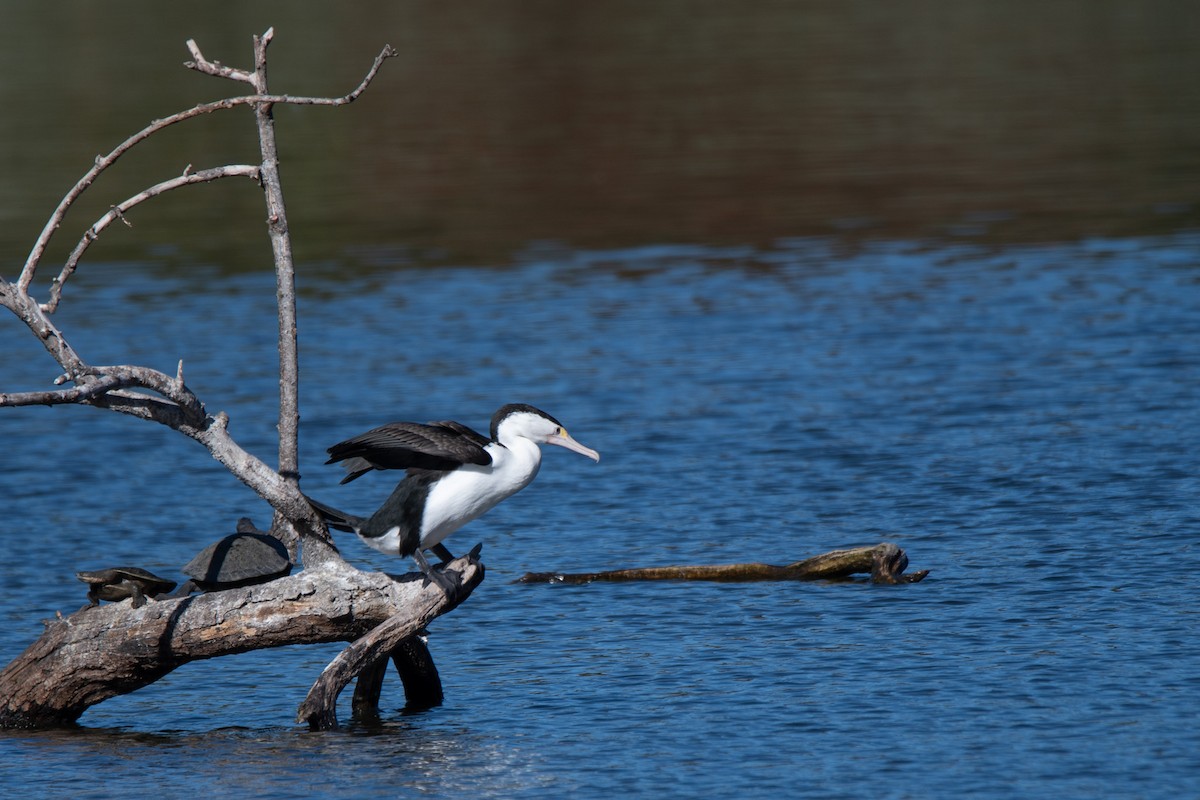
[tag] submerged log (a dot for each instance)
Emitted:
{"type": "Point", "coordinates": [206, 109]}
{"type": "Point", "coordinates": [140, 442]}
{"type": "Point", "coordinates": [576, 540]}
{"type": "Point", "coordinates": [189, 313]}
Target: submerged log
{"type": "Point", "coordinates": [97, 653]}
{"type": "Point", "coordinates": [418, 674]}
{"type": "Point", "coordinates": [885, 563]}
{"type": "Point", "coordinates": [396, 637]}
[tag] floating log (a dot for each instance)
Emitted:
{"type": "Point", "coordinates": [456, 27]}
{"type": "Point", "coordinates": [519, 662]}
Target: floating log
{"type": "Point", "coordinates": [885, 563]}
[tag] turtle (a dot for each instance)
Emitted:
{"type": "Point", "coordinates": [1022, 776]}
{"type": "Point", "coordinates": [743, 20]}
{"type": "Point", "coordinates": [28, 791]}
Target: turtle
{"type": "Point", "coordinates": [240, 559]}
{"type": "Point", "coordinates": [117, 583]}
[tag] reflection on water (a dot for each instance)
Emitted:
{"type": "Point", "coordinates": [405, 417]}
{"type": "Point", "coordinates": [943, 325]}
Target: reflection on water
{"type": "Point", "coordinates": [612, 124]}
{"type": "Point", "coordinates": [267, 762]}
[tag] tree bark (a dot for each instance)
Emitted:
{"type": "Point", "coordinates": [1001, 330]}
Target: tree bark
{"type": "Point", "coordinates": [885, 563]}
{"type": "Point", "coordinates": [98, 653]}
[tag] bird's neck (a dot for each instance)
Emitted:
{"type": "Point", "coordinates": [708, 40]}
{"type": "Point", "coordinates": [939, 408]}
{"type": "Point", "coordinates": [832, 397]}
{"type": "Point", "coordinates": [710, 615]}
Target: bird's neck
{"type": "Point", "coordinates": [517, 459]}
{"type": "Point", "coordinates": [471, 490]}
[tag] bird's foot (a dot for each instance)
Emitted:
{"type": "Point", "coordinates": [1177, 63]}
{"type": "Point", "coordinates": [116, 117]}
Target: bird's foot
{"type": "Point", "coordinates": [444, 581]}
{"type": "Point", "coordinates": [447, 584]}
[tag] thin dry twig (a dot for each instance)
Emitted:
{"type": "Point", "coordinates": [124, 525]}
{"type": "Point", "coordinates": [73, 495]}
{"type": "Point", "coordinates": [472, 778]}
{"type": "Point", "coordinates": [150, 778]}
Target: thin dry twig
{"type": "Point", "coordinates": [216, 68]}
{"type": "Point", "coordinates": [76, 394]}
{"type": "Point", "coordinates": [117, 212]}
{"type": "Point", "coordinates": [105, 161]}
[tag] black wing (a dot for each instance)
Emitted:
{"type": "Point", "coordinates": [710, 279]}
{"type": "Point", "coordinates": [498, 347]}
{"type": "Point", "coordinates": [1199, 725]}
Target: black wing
{"type": "Point", "coordinates": [466, 433]}
{"type": "Point", "coordinates": [410, 445]}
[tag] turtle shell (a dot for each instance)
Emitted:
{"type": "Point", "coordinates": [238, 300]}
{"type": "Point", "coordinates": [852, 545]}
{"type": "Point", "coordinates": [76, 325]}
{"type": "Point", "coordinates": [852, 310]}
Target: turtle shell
{"type": "Point", "coordinates": [115, 575]}
{"type": "Point", "coordinates": [240, 559]}
{"type": "Point", "coordinates": [118, 583]}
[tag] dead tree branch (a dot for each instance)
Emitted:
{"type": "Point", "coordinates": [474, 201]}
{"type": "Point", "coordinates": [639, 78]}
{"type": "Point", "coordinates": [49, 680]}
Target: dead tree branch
{"type": "Point", "coordinates": [105, 161]}
{"type": "Point", "coordinates": [91, 655]}
{"type": "Point", "coordinates": [97, 653]}
{"type": "Point", "coordinates": [285, 271]}
{"type": "Point", "coordinates": [131, 389]}
{"type": "Point", "coordinates": [117, 212]}
{"type": "Point", "coordinates": [76, 394]}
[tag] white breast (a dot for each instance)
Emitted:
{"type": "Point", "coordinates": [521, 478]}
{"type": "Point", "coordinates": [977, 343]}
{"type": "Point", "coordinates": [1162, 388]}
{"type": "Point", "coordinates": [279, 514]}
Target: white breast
{"type": "Point", "coordinates": [471, 490]}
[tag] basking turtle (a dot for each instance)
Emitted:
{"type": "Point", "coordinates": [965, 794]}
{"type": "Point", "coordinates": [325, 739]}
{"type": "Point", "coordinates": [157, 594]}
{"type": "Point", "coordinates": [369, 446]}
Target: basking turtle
{"type": "Point", "coordinates": [240, 559]}
{"type": "Point", "coordinates": [117, 583]}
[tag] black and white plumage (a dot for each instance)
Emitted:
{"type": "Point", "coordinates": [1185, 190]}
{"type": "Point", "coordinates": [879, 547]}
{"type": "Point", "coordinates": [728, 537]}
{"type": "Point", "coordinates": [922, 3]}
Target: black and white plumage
{"type": "Point", "coordinates": [454, 475]}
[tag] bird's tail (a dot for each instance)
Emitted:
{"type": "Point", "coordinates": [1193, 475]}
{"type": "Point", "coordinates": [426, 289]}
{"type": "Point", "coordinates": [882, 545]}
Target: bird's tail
{"type": "Point", "coordinates": [338, 520]}
{"type": "Point", "coordinates": [355, 467]}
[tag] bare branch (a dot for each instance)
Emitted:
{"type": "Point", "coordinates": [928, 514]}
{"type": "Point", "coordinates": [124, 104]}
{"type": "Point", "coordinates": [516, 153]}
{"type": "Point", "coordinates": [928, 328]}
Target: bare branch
{"type": "Point", "coordinates": [215, 68]}
{"type": "Point", "coordinates": [105, 161]}
{"type": "Point", "coordinates": [108, 387]}
{"type": "Point", "coordinates": [319, 708]}
{"type": "Point", "coordinates": [55, 680]}
{"type": "Point", "coordinates": [105, 387]}
{"type": "Point", "coordinates": [160, 382]}
{"type": "Point", "coordinates": [76, 394]}
{"type": "Point", "coordinates": [117, 213]}
{"type": "Point", "coordinates": [285, 272]}
{"type": "Point", "coordinates": [27, 310]}
{"type": "Point", "coordinates": [295, 517]}
{"type": "Point", "coordinates": [167, 400]}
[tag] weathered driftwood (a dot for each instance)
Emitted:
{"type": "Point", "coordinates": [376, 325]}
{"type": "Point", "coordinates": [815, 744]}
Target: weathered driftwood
{"type": "Point", "coordinates": [98, 653]}
{"type": "Point", "coordinates": [885, 563]}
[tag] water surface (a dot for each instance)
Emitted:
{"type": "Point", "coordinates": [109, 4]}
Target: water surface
{"type": "Point", "coordinates": [923, 274]}
{"type": "Point", "coordinates": [1018, 420]}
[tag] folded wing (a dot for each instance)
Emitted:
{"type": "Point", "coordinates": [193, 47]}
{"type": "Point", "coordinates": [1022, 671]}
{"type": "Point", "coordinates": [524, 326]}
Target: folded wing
{"type": "Point", "coordinates": [444, 445]}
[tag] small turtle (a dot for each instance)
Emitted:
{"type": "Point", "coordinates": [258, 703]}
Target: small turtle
{"type": "Point", "coordinates": [240, 559]}
{"type": "Point", "coordinates": [117, 583]}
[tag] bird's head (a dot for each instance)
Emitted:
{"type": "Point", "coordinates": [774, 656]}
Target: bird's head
{"type": "Point", "coordinates": [520, 420]}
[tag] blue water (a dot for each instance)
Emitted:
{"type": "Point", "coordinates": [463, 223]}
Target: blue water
{"type": "Point", "coordinates": [1021, 419]}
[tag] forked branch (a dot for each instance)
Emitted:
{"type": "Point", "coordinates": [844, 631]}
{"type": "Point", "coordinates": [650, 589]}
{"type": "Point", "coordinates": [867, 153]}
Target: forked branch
{"type": "Point", "coordinates": [103, 162]}
{"type": "Point", "coordinates": [152, 395]}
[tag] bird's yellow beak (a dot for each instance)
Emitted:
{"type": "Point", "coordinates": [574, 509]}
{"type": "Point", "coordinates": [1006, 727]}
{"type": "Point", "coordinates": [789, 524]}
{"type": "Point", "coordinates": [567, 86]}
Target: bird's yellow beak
{"type": "Point", "coordinates": [563, 439]}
